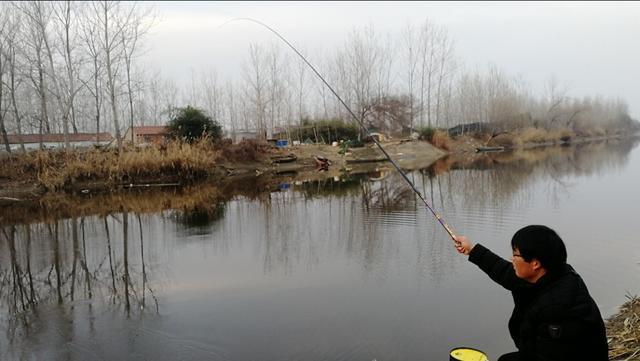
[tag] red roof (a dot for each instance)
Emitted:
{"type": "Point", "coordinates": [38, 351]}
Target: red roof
{"type": "Point", "coordinates": [56, 138]}
{"type": "Point", "coordinates": [151, 130]}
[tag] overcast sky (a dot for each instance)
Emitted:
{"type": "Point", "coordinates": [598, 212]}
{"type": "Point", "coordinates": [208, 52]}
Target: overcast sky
{"type": "Point", "coordinates": [592, 48]}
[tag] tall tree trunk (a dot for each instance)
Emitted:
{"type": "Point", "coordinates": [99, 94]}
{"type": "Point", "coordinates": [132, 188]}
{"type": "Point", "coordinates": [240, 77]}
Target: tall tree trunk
{"type": "Point", "coordinates": [14, 103]}
{"type": "Point", "coordinates": [111, 77]}
{"type": "Point", "coordinates": [97, 98]}
{"type": "Point", "coordinates": [3, 130]}
{"type": "Point", "coordinates": [72, 89]}
{"type": "Point", "coordinates": [44, 114]}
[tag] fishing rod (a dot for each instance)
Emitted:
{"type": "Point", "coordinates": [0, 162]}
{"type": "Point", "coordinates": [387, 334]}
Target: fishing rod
{"type": "Point", "coordinates": [358, 120]}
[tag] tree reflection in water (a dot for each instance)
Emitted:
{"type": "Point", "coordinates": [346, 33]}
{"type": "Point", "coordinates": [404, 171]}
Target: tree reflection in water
{"type": "Point", "coordinates": [198, 219]}
{"type": "Point", "coordinates": [61, 270]}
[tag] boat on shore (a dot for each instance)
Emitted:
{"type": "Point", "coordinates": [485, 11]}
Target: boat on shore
{"type": "Point", "coordinates": [367, 160]}
{"type": "Point", "coordinates": [489, 149]}
{"type": "Point", "coordinates": [286, 158]}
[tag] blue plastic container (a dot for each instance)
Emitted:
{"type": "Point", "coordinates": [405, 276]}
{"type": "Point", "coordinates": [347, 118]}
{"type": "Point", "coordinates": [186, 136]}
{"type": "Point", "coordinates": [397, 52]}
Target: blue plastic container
{"type": "Point", "coordinates": [282, 143]}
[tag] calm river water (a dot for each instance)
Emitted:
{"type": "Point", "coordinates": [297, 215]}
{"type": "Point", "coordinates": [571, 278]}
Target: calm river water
{"type": "Point", "coordinates": [340, 269]}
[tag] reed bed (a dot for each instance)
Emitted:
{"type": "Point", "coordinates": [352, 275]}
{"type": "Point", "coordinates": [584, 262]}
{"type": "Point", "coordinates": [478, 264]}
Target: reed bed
{"type": "Point", "coordinates": [58, 169]}
{"type": "Point", "coordinates": [623, 331]}
{"type": "Point", "coordinates": [526, 136]}
{"type": "Point", "coordinates": [441, 140]}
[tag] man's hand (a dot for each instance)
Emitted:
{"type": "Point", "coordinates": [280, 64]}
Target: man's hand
{"type": "Point", "coordinates": [463, 244]}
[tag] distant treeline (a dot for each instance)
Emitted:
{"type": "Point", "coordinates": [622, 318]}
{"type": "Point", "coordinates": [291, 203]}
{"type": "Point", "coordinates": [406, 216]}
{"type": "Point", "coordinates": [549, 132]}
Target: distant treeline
{"type": "Point", "coordinates": [68, 67]}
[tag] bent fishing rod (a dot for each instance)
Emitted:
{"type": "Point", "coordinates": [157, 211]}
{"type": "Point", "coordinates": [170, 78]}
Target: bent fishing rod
{"type": "Point", "coordinates": [358, 120]}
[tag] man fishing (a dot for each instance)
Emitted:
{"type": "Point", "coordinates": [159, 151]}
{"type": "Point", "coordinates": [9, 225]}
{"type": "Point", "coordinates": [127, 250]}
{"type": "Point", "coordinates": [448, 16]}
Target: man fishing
{"type": "Point", "coordinates": [554, 318]}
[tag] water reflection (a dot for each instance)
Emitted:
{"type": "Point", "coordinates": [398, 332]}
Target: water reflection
{"type": "Point", "coordinates": [218, 249]}
{"type": "Point", "coordinates": [96, 259]}
{"type": "Point", "coordinates": [198, 219]}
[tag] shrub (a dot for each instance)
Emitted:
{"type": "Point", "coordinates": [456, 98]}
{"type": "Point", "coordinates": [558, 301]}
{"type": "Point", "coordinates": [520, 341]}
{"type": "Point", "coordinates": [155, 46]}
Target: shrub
{"type": "Point", "coordinates": [246, 150]}
{"type": "Point", "coordinates": [506, 140]}
{"type": "Point", "coordinates": [426, 133]}
{"type": "Point", "coordinates": [325, 130]}
{"type": "Point", "coordinates": [191, 123]}
{"type": "Point", "coordinates": [533, 135]}
{"type": "Point", "coordinates": [440, 139]}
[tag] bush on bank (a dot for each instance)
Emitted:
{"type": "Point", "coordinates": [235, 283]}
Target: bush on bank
{"type": "Point", "coordinates": [190, 124]}
{"type": "Point", "coordinates": [324, 131]}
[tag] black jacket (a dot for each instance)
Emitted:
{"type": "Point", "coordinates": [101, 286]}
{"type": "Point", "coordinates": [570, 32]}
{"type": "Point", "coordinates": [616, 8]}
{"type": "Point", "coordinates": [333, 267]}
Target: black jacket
{"type": "Point", "coordinates": [554, 319]}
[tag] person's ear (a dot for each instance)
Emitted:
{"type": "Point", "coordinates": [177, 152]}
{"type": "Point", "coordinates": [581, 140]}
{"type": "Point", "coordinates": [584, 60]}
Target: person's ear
{"type": "Point", "coordinates": [535, 263]}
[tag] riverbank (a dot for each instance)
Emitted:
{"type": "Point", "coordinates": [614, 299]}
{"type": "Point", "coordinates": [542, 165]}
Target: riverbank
{"type": "Point", "coordinates": [33, 175]}
{"type": "Point", "coordinates": [623, 331]}
{"type": "Point", "coordinates": [27, 177]}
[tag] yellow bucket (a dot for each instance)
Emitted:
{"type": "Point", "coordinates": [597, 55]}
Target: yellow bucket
{"type": "Point", "coordinates": [467, 354]}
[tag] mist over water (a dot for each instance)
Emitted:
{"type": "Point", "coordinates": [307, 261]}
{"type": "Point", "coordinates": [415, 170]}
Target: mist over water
{"type": "Point", "coordinates": [352, 268]}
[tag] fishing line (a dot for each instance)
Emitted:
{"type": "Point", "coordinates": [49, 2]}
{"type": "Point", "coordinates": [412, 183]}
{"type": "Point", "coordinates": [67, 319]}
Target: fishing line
{"type": "Point", "coordinates": [358, 120]}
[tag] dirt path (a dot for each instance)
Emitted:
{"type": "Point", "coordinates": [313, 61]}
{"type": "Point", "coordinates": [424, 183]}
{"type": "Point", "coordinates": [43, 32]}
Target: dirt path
{"type": "Point", "coordinates": [408, 154]}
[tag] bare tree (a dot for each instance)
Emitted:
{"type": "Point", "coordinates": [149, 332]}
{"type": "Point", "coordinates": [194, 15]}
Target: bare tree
{"type": "Point", "coordinates": [358, 69]}
{"type": "Point", "coordinates": [276, 88]}
{"type": "Point", "coordinates": [411, 64]}
{"type": "Point", "coordinates": [131, 33]}
{"type": "Point", "coordinates": [4, 30]}
{"type": "Point", "coordinates": [67, 14]}
{"type": "Point", "coordinates": [257, 84]}
{"type": "Point", "coordinates": [436, 64]}
{"type": "Point", "coordinates": [231, 108]}
{"type": "Point", "coordinates": [384, 78]}
{"type": "Point", "coordinates": [153, 88]}
{"type": "Point", "coordinates": [14, 84]}
{"type": "Point", "coordinates": [555, 98]}
{"type": "Point", "coordinates": [446, 65]}
{"type": "Point", "coordinates": [427, 68]}
{"type": "Point", "coordinates": [301, 87]}
{"type": "Point", "coordinates": [32, 50]}
{"type": "Point", "coordinates": [211, 93]}
{"type": "Point", "coordinates": [112, 19]}
{"type": "Point", "coordinates": [169, 97]}
{"type": "Point", "coordinates": [93, 50]}
{"type": "Point", "coordinates": [39, 14]}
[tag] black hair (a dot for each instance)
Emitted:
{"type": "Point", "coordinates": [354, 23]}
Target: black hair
{"type": "Point", "coordinates": [541, 243]}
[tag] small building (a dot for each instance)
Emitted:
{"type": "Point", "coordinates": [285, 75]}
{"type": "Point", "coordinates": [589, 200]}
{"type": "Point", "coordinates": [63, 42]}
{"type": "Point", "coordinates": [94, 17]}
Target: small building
{"type": "Point", "coordinates": [56, 141]}
{"type": "Point", "coordinates": [149, 134]}
{"type": "Point", "coordinates": [242, 134]}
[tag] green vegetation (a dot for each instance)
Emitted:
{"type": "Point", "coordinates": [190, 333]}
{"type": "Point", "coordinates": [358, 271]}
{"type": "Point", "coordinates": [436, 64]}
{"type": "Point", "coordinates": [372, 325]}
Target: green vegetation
{"type": "Point", "coordinates": [189, 124]}
{"type": "Point", "coordinates": [426, 133]}
{"type": "Point", "coordinates": [325, 131]}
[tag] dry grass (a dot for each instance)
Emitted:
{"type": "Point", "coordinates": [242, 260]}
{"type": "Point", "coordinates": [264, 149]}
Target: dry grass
{"type": "Point", "coordinates": [623, 331]}
{"type": "Point", "coordinates": [506, 140]}
{"type": "Point", "coordinates": [58, 169]}
{"type": "Point", "coordinates": [532, 136]}
{"type": "Point", "coordinates": [441, 140]}
{"type": "Point", "coordinates": [246, 150]}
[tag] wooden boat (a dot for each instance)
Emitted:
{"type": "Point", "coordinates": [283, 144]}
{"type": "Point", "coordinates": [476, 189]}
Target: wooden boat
{"type": "Point", "coordinates": [489, 149]}
{"type": "Point", "coordinates": [368, 160]}
{"type": "Point", "coordinates": [286, 158]}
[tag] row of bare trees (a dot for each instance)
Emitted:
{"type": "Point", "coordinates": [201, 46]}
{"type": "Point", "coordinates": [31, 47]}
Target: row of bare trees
{"type": "Point", "coordinates": [70, 67]}
{"type": "Point", "coordinates": [393, 82]}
